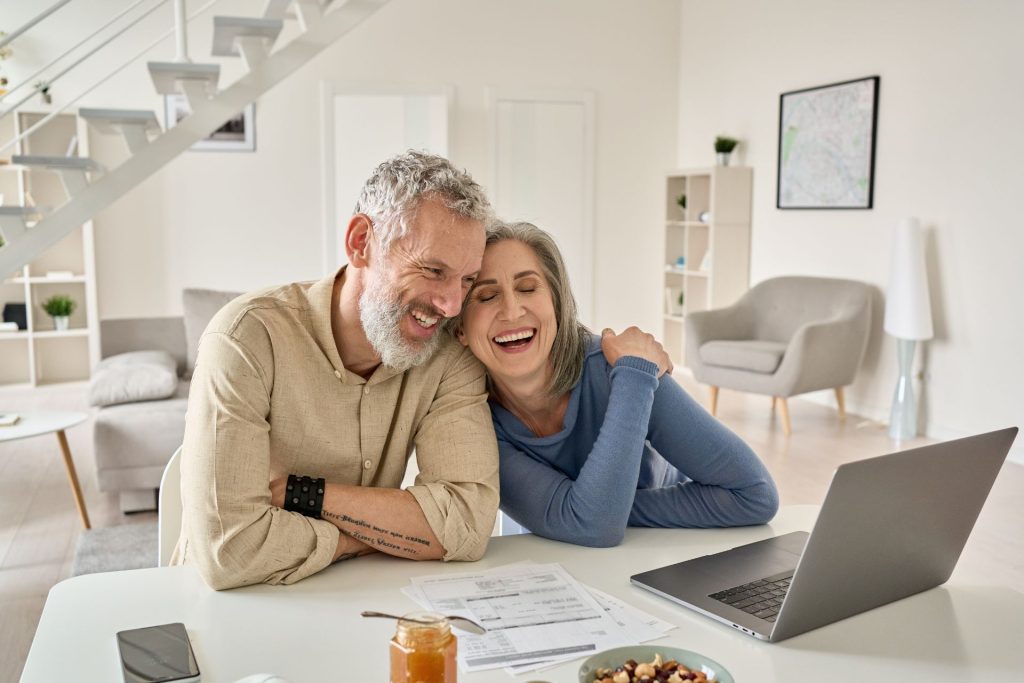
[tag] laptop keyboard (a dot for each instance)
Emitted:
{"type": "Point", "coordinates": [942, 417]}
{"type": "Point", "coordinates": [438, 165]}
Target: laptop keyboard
{"type": "Point", "coordinates": [762, 598]}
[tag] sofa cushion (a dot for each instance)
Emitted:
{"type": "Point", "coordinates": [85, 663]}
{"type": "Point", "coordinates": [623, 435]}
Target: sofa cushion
{"type": "Point", "coordinates": [199, 307]}
{"type": "Point", "coordinates": [751, 355]}
{"type": "Point", "coordinates": [134, 441]}
{"type": "Point", "coordinates": [133, 376]}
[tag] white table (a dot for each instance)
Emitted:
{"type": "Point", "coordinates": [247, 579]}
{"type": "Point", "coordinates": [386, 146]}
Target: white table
{"type": "Point", "coordinates": [311, 631]}
{"type": "Point", "coordinates": [39, 423]}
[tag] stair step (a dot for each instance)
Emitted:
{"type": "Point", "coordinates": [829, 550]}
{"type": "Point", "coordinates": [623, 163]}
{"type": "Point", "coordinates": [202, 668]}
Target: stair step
{"type": "Point", "coordinates": [14, 220]}
{"type": "Point", "coordinates": [227, 29]}
{"type": "Point", "coordinates": [198, 82]}
{"type": "Point", "coordinates": [104, 119]}
{"type": "Point", "coordinates": [72, 170]}
{"type": "Point", "coordinates": [56, 163]}
{"type": "Point", "coordinates": [168, 75]}
{"type": "Point", "coordinates": [134, 125]}
{"type": "Point", "coordinates": [26, 212]}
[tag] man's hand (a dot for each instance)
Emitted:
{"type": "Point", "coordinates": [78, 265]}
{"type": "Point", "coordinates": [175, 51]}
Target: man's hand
{"type": "Point", "coordinates": [635, 342]}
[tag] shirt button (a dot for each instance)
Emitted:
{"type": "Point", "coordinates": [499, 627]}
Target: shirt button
{"type": "Point", "coordinates": [366, 389]}
{"type": "Point", "coordinates": [337, 373]}
{"type": "Point", "coordinates": [367, 464]}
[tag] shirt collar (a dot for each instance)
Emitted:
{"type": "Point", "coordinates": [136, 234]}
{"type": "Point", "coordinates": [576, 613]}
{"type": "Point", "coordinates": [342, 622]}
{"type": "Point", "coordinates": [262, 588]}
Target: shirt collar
{"type": "Point", "coordinates": [320, 295]}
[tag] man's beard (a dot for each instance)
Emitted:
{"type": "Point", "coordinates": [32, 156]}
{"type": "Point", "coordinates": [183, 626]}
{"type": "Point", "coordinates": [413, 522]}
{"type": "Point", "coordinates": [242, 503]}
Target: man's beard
{"type": "Point", "coordinates": [381, 312]}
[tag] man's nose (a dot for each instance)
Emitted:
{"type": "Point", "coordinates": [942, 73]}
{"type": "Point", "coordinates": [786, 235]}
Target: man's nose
{"type": "Point", "coordinates": [448, 299]}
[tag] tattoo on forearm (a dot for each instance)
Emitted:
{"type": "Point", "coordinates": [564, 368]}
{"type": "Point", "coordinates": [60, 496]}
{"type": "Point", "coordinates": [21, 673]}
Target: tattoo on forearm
{"type": "Point", "coordinates": [378, 542]}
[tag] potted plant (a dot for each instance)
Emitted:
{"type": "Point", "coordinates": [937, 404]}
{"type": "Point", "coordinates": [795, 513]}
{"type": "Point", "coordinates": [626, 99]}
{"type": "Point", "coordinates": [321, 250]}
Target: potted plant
{"type": "Point", "coordinates": [681, 201]}
{"type": "Point", "coordinates": [724, 147]}
{"type": "Point", "coordinates": [59, 307]}
{"type": "Point", "coordinates": [44, 91]}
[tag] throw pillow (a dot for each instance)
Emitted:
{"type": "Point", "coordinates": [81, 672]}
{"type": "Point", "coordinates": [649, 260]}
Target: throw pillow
{"type": "Point", "coordinates": [134, 376]}
{"type": "Point", "coordinates": [199, 306]}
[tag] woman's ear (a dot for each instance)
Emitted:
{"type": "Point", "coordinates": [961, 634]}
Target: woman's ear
{"type": "Point", "coordinates": [358, 237]}
{"type": "Point", "coordinates": [460, 334]}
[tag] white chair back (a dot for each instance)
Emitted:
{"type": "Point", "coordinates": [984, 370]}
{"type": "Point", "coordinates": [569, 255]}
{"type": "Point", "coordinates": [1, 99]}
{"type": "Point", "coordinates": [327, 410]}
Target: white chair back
{"type": "Point", "coordinates": [169, 509]}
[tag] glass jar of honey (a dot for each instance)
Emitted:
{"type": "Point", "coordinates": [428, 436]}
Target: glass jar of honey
{"type": "Point", "coordinates": [423, 650]}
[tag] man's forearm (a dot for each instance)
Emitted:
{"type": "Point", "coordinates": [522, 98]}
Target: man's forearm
{"type": "Point", "coordinates": [388, 520]}
{"type": "Point", "coordinates": [349, 548]}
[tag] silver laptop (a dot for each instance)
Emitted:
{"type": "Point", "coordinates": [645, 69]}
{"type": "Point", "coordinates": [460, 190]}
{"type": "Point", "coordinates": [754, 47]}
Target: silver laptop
{"type": "Point", "coordinates": [890, 527]}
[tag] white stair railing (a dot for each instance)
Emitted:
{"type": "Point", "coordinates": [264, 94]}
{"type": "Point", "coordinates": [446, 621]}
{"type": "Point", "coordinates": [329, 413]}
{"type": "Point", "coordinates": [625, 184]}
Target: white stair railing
{"type": "Point", "coordinates": [83, 41]}
{"type": "Point", "coordinates": [210, 109]}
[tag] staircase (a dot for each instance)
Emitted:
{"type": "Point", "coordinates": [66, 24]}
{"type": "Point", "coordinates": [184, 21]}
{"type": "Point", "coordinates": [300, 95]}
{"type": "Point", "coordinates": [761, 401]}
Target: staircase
{"type": "Point", "coordinates": [27, 231]}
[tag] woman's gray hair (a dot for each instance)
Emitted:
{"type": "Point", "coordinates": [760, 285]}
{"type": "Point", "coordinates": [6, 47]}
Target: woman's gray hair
{"type": "Point", "coordinates": [393, 193]}
{"type": "Point", "coordinates": [571, 338]}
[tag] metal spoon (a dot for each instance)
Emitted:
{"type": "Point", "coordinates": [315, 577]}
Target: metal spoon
{"type": "Point", "coordinates": [463, 623]}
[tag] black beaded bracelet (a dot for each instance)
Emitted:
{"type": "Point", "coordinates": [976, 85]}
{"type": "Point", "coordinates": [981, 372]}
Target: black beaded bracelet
{"type": "Point", "coordinates": [304, 495]}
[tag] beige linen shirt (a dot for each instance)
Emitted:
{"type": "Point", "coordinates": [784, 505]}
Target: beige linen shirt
{"type": "Point", "coordinates": [270, 397]}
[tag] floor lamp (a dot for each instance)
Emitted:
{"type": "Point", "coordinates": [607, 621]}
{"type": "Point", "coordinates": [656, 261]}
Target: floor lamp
{"type": "Point", "coordinates": [908, 318]}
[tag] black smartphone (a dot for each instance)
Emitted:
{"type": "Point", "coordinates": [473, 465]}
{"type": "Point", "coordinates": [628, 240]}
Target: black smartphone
{"type": "Point", "coordinates": [157, 654]}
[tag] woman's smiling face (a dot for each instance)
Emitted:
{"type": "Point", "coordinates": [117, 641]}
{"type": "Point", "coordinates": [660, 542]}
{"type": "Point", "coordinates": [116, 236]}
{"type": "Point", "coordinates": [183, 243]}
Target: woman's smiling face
{"type": "Point", "coordinates": [509, 318]}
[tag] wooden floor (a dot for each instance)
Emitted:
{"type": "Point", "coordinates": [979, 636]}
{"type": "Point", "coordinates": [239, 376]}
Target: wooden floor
{"type": "Point", "coordinates": [39, 524]}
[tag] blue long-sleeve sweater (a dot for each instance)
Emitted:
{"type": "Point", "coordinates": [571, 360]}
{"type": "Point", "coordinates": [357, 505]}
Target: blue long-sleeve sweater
{"type": "Point", "coordinates": [633, 451]}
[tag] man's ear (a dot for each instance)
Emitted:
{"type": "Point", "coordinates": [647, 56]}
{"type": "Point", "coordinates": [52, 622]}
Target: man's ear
{"type": "Point", "coordinates": [358, 237]}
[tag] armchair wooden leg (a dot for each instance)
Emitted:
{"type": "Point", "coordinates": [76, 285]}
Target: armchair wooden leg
{"type": "Point", "coordinates": [841, 403]}
{"type": "Point", "coordinates": [713, 400]}
{"type": "Point", "coordinates": [784, 412]}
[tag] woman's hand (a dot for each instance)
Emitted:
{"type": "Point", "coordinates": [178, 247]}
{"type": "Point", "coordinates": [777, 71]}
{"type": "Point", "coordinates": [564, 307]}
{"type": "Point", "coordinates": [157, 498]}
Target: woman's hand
{"type": "Point", "coordinates": [635, 342]}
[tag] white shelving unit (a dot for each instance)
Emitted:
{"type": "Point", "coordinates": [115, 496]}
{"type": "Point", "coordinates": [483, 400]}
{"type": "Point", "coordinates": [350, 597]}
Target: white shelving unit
{"type": "Point", "coordinates": [712, 237]}
{"type": "Point", "coordinates": [40, 355]}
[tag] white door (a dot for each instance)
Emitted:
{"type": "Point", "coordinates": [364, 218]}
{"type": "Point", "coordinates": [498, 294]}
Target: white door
{"type": "Point", "coordinates": [363, 128]}
{"type": "Point", "coordinates": [542, 147]}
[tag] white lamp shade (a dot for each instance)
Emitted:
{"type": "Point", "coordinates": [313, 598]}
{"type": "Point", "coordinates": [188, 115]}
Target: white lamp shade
{"type": "Point", "coordinates": [908, 307]}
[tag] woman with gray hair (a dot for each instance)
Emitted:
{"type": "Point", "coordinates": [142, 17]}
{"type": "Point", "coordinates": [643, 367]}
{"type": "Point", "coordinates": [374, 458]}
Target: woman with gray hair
{"type": "Point", "coordinates": [593, 434]}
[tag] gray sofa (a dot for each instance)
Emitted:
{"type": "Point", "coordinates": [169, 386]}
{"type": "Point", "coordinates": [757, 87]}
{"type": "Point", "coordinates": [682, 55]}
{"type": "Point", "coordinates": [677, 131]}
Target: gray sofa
{"type": "Point", "coordinates": [134, 439]}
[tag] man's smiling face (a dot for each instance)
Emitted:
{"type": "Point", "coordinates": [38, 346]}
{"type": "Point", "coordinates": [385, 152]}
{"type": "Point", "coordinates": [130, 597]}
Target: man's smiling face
{"type": "Point", "coordinates": [421, 280]}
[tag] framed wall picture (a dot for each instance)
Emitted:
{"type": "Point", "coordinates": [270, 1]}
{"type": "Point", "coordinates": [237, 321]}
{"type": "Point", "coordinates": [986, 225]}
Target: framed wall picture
{"type": "Point", "coordinates": [827, 146]}
{"type": "Point", "coordinates": [237, 134]}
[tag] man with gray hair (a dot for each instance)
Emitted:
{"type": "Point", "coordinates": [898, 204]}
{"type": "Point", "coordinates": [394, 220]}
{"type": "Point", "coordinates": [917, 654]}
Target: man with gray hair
{"type": "Point", "coordinates": [308, 399]}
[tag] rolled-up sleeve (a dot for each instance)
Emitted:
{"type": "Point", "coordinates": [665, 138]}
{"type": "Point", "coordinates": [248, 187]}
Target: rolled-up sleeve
{"type": "Point", "coordinates": [457, 455]}
{"type": "Point", "coordinates": [235, 537]}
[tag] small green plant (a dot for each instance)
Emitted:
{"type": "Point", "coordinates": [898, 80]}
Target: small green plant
{"type": "Point", "coordinates": [44, 91]}
{"type": "Point", "coordinates": [681, 201]}
{"type": "Point", "coordinates": [59, 305]}
{"type": "Point", "coordinates": [725, 145]}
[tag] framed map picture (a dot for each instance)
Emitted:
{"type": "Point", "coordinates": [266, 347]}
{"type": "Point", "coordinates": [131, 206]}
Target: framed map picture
{"type": "Point", "coordinates": [827, 146]}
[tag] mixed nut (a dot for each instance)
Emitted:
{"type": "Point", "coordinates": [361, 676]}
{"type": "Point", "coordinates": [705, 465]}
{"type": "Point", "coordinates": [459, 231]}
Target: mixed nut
{"type": "Point", "coordinates": [655, 671]}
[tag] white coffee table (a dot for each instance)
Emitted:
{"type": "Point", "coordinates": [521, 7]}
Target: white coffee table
{"type": "Point", "coordinates": [45, 422]}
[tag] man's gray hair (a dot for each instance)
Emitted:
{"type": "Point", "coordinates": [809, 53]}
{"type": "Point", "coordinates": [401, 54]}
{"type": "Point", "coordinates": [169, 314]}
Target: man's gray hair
{"type": "Point", "coordinates": [393, 193]}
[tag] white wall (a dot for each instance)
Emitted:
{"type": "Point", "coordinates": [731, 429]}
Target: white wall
{"type": "Point", "coordinates": [246, 220]}
{"type": "Point", "coordinates": [950, 142]}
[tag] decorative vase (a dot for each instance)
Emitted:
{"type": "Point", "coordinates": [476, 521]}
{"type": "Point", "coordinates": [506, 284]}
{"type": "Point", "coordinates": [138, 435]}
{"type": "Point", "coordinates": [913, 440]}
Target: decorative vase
{"type": "Point", "coordinates": [60, 323]}
{"type": "Point", "coordinates": [723, 158]}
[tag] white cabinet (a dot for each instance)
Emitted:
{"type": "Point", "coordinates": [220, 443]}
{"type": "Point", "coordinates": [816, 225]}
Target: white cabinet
{"type": "Point", "coordinates": [40, 354]}
{"type": "Point", "coordinates": [707, 246]}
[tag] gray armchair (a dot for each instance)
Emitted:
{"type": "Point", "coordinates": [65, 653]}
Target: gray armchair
{"type": "Point", "coordinates": [786, 336]}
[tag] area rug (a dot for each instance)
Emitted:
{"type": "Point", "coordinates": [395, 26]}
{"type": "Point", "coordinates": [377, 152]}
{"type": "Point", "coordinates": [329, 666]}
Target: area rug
{"type": "Point", "coordinates": [127, 546]}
